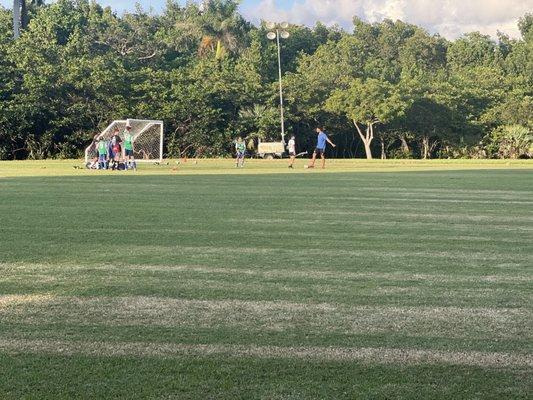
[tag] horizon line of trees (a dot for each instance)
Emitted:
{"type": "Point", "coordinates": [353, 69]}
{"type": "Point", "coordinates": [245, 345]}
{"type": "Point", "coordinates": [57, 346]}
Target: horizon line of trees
{"type": "Point", "coordinates": [388, 89]}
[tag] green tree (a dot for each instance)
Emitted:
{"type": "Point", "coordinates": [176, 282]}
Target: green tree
{"type": "Point", "coordinates": [471, 50]}
{"type": "Point", "coordinates": [366, 104]}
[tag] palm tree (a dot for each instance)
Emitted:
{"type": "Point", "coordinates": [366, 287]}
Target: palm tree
{"type": "Point", "coordinates": [222, 26]}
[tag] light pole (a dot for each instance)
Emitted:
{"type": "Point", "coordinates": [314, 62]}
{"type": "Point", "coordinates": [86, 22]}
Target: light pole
{"type": "Point", "coordinates": [278, 31]}
{"type": "Point", "coordinates": [16, 18]}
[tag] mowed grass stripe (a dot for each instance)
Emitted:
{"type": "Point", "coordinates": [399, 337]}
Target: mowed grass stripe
{"type": "Point", "coordinates": [166, 350]}
{"type": "Point", "coordinates": [318, 286]}
{"type": "Point", "coordinates": [277, 316]}
{"type": "Point", "coordinates": [420, 216]}
{"type": "Point", "coordinates": [423, 239]}
{"type": "Point", "coordinates": [49, 271]}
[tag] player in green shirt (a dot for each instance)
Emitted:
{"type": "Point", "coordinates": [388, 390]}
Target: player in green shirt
{"type": "Point", "coordinates": [129, 160]}
{"type": "Point", "coordinates": [102, 154]}
{"type": "Point", "coordinates": [240, 150]}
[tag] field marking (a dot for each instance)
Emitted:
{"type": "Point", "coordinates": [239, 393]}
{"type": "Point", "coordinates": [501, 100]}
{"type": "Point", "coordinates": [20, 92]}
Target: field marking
{"type": "Point", "coordinates": [269, 316]}
{"type": "Point", "coordinates": [379, 355]}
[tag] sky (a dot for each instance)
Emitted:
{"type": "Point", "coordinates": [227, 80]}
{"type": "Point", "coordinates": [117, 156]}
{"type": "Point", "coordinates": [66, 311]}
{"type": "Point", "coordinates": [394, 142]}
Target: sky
{"type": "Point", "coordinates": [450, 18]}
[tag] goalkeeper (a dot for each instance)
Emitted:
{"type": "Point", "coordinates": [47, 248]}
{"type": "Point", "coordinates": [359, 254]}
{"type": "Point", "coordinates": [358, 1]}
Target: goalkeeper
{"type": "Point", "coordinates": [129, 160]}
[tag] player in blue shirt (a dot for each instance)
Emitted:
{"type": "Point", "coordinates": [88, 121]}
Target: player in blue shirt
{"type": "Point", "coordinates": [320, 149]}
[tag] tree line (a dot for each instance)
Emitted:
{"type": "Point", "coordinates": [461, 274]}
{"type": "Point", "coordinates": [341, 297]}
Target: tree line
{"type": "Point", "coordinates": [387, 89]}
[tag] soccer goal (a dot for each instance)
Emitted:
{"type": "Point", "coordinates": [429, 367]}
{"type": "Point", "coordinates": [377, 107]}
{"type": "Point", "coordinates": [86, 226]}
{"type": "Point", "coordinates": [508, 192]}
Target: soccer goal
{"type": "Point", "coordinates": [147, 139]}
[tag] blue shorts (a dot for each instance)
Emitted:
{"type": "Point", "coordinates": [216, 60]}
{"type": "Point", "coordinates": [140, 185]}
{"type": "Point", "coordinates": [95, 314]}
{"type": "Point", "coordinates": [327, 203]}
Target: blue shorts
{"type": "Point", "coordinates": [102, 157]}
{"type": "Point", "coordinates": [240, 154]}
{"type": "Point", "coordinates": [129, 153]}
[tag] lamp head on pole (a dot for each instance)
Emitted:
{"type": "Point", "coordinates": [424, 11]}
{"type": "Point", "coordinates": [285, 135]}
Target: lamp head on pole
{"type": "Point", "coordinates": [277, 29]}
{"type": "Point", "coordinates": [270, 25]}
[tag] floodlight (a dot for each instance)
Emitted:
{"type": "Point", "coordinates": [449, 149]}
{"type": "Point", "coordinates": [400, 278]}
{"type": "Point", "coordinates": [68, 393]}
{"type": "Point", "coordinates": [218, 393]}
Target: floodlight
{"type": "Point", "coordinates": [271, 35]}
{"type": "Point", "coordinates": [271, 25]}
{"type": "Point", "coordinates": [285, 34]}
{"type": "Point", "coordinates": [284, 25]}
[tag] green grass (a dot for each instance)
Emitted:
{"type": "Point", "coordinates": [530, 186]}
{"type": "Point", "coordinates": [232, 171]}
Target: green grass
{"type": "Point", "coordinates": [371, 280]}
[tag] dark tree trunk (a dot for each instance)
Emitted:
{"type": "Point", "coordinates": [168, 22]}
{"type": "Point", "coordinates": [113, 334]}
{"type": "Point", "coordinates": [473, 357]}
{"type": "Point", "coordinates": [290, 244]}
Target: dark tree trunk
{"type": "Point", "coordinates": [24, 19]}
{"type": "Point", "coordinates": [383, 153]}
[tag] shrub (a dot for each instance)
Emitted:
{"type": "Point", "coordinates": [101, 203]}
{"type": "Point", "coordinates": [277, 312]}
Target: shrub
{"type": "Point", "coordinates": [510, 141]}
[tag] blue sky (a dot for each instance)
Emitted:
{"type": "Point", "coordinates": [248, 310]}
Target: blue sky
{"type": "Point", "coordinates": [450, 18]}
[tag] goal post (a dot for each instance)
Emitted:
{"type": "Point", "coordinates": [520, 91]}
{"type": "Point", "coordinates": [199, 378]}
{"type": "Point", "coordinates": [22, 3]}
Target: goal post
{"type": "Point", "coordinates": [147, 135]}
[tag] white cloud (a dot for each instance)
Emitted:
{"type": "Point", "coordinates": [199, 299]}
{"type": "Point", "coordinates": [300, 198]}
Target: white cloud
{"type": "Point", "coordinates": [450, 18]}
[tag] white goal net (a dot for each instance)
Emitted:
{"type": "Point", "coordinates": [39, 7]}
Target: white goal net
{"type": "Point", "coordinates": [147, 139]}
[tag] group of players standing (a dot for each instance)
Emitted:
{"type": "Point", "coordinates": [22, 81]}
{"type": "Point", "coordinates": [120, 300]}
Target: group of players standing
{"type": "Point", "coordinates": [320, 150]}
{"type": "Point", "coordinates": [114, 153]}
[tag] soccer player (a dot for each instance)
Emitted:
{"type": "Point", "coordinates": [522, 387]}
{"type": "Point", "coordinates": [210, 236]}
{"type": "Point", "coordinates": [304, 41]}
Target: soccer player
{"type": "Point", "coordinates": [102, 154]}
{"type": "Point", "coordinates": [320, 149]}
{"type": "Point", "coordinates": [240, 150]}
{"type": "Point", "coordinates": [116, 148]}
{"type": "Point", "coordinates": [129, 160]}
{"type": "Point", "coordinates": [93, 164]}
{"type": "Point", "coordinates": [292, 151]}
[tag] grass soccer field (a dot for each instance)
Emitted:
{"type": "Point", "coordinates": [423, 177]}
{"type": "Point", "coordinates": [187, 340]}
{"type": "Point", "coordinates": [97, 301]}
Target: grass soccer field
{"type": "Point", "coordinates": [377, 280]}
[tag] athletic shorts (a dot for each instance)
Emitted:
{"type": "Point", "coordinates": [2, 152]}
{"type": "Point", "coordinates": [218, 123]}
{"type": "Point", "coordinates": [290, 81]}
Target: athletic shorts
{"type": "Point", "coordinates": [102, 158]}
{"type": "Point", "coordinates": [129, 153]}
{"type": "Point", "coordinates": [320, 152]}
{"type": "Point", "coordinates": [240, 154]}
{"type": "Point", "coordinates": [292, 154]}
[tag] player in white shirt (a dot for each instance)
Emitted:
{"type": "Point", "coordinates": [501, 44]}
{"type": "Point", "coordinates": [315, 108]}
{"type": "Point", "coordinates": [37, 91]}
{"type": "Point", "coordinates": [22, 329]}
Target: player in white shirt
{"type": "Point", "coordinates": [292, 151]}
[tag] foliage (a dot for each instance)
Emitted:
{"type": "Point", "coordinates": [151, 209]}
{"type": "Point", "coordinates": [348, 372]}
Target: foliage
{"type": "Point", "coordinates": [368, 103]}
{"type": "Point", "coordinates": [511, 141]}
{"type": "Point", "coordinates": [210, 74]}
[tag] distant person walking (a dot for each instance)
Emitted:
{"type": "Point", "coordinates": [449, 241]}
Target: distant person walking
{"type": "Point", "coordinates": [322, 140]}
{"type": "Point", "coordinates": [292, 151]}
